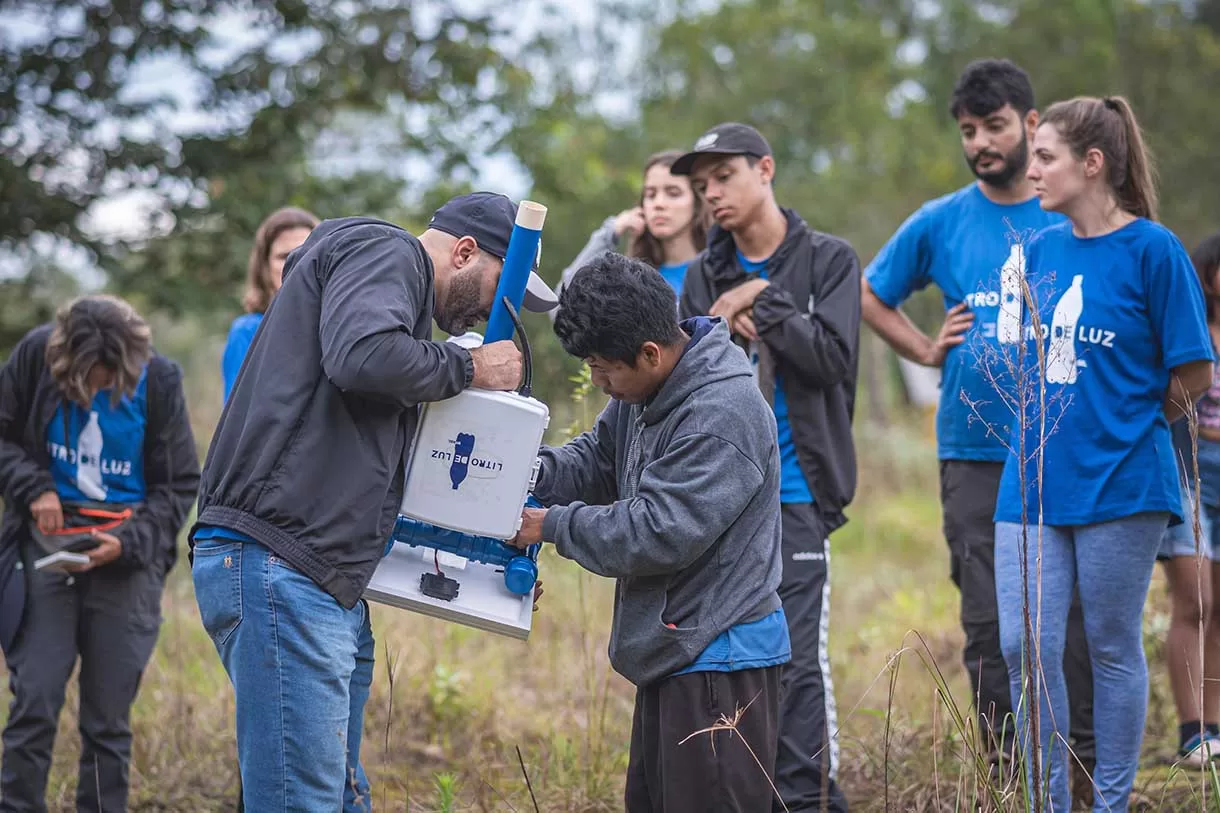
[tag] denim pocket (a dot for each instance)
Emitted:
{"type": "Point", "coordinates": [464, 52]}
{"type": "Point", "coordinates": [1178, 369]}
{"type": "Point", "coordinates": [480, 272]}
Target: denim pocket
{"type": "Point", "coordinates": [217, 576]}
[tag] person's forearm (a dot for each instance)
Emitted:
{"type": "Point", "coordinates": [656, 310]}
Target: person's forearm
{"type": "Point", "coordinates": [897, 329]}
{"type": "Point", "coordinates": [1187, 384]}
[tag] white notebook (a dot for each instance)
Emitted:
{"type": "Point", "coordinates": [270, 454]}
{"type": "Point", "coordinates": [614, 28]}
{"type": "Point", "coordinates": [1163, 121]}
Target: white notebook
{"type": "Point", "coordinates": [57, 560]}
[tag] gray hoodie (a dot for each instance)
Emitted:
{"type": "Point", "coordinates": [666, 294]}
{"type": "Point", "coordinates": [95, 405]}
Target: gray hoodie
{"type": "Point", "coordinates": [678, 500]}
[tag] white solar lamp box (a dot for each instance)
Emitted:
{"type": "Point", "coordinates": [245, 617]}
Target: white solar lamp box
{"type": "Point", "coordinates": [471, 467]}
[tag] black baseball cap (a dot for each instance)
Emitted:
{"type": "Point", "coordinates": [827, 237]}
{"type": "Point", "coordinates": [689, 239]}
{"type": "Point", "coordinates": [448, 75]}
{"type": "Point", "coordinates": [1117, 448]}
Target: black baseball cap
{"type": "Point", "coordinates": [730, 138]}
{"type": "Point", "coordinates": [488, 217]}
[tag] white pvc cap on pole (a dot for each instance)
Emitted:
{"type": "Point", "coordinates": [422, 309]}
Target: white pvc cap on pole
{"type": "Point", "coordinates": [531, 215]}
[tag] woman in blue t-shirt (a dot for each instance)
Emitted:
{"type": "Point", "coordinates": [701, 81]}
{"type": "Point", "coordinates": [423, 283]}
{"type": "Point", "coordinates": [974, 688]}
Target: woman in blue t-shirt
{"type": "Point", "coordinates": [97, 460]}
{"type": "Point", "coordinates": [1114, 346]}
{"type": "Point", "coordinates": [666, 229]}
{"type": "Point", "coordinates": [282, 231]}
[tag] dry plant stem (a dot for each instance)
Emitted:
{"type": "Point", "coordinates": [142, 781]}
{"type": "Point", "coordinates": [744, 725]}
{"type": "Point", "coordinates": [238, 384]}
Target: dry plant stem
{"type": "Point", "coordinates": [936, 750]}
{"type": "Point", "coordinates": [1193, 494]}
{"type": "Point", "coordinates": [492, 788]}
{"type": "Point", "coordinates": [889, 713]}
{"type": "Point", "coordinates": [726, 724]}
{"type": "Point", "coordinates": [391, 666]}
{"type": "Point", "coordinates": [1032, 649]}
{"type": "Point", "coordinates": [960, 723]}
{"type": "Point", "coordinates": [1033, 676]}
{"type": "Point", "coordinates": [526, 774]}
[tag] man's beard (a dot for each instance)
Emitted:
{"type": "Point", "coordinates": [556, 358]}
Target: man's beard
{"type": "Point", "coordinates": [462, 309]}
{"type": "Point", "coordinates": [1013, 164]}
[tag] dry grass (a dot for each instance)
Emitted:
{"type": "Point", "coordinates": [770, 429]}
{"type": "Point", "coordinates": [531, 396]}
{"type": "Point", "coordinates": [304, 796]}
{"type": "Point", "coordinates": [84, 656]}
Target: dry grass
{"type": "Point", "coordinates": [463, 700]}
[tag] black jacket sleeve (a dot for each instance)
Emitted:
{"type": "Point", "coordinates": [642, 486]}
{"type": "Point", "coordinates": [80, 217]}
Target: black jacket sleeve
{"type": "Point", "coordinates": [371, 301]}
{"type": "Point", "coordinates": [696, 299]}
{"type": "Point", "coordinates": [819, 348]}
{"type": "Point", "coordinates": [171, 471]}
{"type": "Point", "coordinates": [22, 478]}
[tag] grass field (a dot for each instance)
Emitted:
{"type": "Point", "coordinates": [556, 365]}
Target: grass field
{"type": "Point", "coordinates": [450, 705]}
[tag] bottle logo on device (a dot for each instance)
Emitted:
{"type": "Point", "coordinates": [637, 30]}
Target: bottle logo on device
{"type": "Point", "coordinates": [463, 462]}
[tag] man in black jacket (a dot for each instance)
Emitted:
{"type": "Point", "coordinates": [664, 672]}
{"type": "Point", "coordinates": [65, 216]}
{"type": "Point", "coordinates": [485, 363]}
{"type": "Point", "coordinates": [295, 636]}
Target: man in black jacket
{"type": "Point", "coordinates": [305, 473]}
{"type": "Point", "coordinates": [792, 297]}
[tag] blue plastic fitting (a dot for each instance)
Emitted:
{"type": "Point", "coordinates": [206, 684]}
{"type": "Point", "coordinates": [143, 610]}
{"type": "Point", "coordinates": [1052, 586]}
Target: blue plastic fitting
{"type": "Point", "coordinates": [520, 566]}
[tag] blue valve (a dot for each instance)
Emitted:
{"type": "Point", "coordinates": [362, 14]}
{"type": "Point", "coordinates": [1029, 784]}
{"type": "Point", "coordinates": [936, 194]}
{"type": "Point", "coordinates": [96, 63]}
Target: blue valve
{"type": "Point", "coordinates": [520, 574]}
{"type": "Point", "coordinates": [520, 566]}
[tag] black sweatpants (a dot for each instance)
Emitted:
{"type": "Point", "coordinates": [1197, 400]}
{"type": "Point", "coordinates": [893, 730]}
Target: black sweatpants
{"type": "Point", "coordinates": [710, 772]}
{"type": "Point", "coordinates": [807, 755]}
{"type": "Point", "coordinates": [109, 618]}
{"type": "Point", "coordinates": [968, 491]}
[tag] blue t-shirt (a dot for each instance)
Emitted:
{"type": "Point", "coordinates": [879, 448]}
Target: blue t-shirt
{"type": "Point", "coordinates": [97, 455]}
{"type": "Point", "coordinates": [241, 334]}
{"type": "Point", "coordinates": [1118, 312]}
{"type": "Point", "coordinates": [793, 487]}
{"type": "Point", "coordinates": [960, 242]}
{"type": "Point", "coordinates": [751, 645]}
{"type": "Point", "coordinates": [221, 532]}
{"type": "Point", "coordinates": [675, 275]}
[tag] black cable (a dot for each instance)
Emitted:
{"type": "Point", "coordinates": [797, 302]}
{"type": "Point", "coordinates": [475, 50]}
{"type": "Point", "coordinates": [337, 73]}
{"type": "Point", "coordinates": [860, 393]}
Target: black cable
{"type": "Point", "coordinates": [528, 379]}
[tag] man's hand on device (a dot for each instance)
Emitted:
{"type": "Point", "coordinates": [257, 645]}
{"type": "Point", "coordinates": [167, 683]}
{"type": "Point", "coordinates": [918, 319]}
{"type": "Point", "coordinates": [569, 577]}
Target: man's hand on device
{"type": "Point", "coordinates": [497, 366]}
{"type": "Point", "coordinates": [531, 527]}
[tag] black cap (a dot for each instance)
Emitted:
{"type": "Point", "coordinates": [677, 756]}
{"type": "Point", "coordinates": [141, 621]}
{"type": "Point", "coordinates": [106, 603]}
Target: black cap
{"type": "Point", "coordinates": [488, 217]}
{"type": "Point", "coordinates": [730, 138]}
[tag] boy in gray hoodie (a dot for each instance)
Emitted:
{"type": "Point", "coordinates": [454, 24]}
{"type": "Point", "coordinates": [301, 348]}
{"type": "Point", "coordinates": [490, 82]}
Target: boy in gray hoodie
{"type": "Point", "coordinates": [675, 494]}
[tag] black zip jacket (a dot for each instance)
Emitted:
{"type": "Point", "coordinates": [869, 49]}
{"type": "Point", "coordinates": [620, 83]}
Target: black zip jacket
{"type": "Point", "coordinates": [809, 318]}
{"type": "Point", "coordinates": [28, 400]}
{"type": "Point", "coordinates": [308, 456]}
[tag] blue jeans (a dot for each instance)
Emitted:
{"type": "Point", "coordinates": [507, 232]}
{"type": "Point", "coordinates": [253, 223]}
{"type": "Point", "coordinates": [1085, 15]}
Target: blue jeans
{"type": "Point", "coordinates": [301, 667]}
{"type": "Point", "coordinates": [1111, 563]}
{"type": "Point", "coordinates": [1179, 541]}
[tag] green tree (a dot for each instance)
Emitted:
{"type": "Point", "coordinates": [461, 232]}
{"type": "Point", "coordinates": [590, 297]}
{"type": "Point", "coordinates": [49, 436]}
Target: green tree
{"type": "Point", "coordinates": [1154, 53]}
{"type": "Point", "coordinates": [73, 133]}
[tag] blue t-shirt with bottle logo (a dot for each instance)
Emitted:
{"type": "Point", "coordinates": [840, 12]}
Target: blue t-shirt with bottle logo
{"type": "Point", "coordinates": [793, 487]}
{"type": "Point", "coordinates": [960, 243]}
{"type": "Point", "coordinates": [1117, 312]}
{"type": "Point", "coordinates": [97, 455]}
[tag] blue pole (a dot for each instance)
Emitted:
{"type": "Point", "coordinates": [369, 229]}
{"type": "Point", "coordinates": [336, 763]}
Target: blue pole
{"type": "Point", "coordinates": [522, 249]}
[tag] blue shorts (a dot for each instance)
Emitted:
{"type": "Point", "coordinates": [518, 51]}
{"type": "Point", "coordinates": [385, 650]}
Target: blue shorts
{"type": "Point", "coordinates": [1179, 540]}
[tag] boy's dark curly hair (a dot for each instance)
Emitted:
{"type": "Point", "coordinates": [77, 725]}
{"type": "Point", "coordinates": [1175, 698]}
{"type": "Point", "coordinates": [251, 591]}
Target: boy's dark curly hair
{"type": "Point", "coordinates": [613, 306]}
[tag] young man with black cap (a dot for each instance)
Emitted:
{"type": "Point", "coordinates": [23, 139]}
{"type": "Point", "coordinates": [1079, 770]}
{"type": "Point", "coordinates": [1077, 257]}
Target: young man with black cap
{"type": "Point", "coordinates": [792, 298]}
{"type": "Point", "coordinates": [305, 473]}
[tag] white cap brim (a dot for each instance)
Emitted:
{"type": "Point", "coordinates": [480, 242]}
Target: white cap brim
{"type": "Point", "coordinates": [539, 297]}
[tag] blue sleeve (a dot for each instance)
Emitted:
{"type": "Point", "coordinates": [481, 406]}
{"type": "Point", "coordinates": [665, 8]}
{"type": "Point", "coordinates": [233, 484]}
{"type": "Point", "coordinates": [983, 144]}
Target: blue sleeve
{"type": "Point", "coordinates": [241, 334]}
{"type": "Point", "coordinates": [1175, 303]}
{"type": "Point", "coordinates": [902, 266]}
